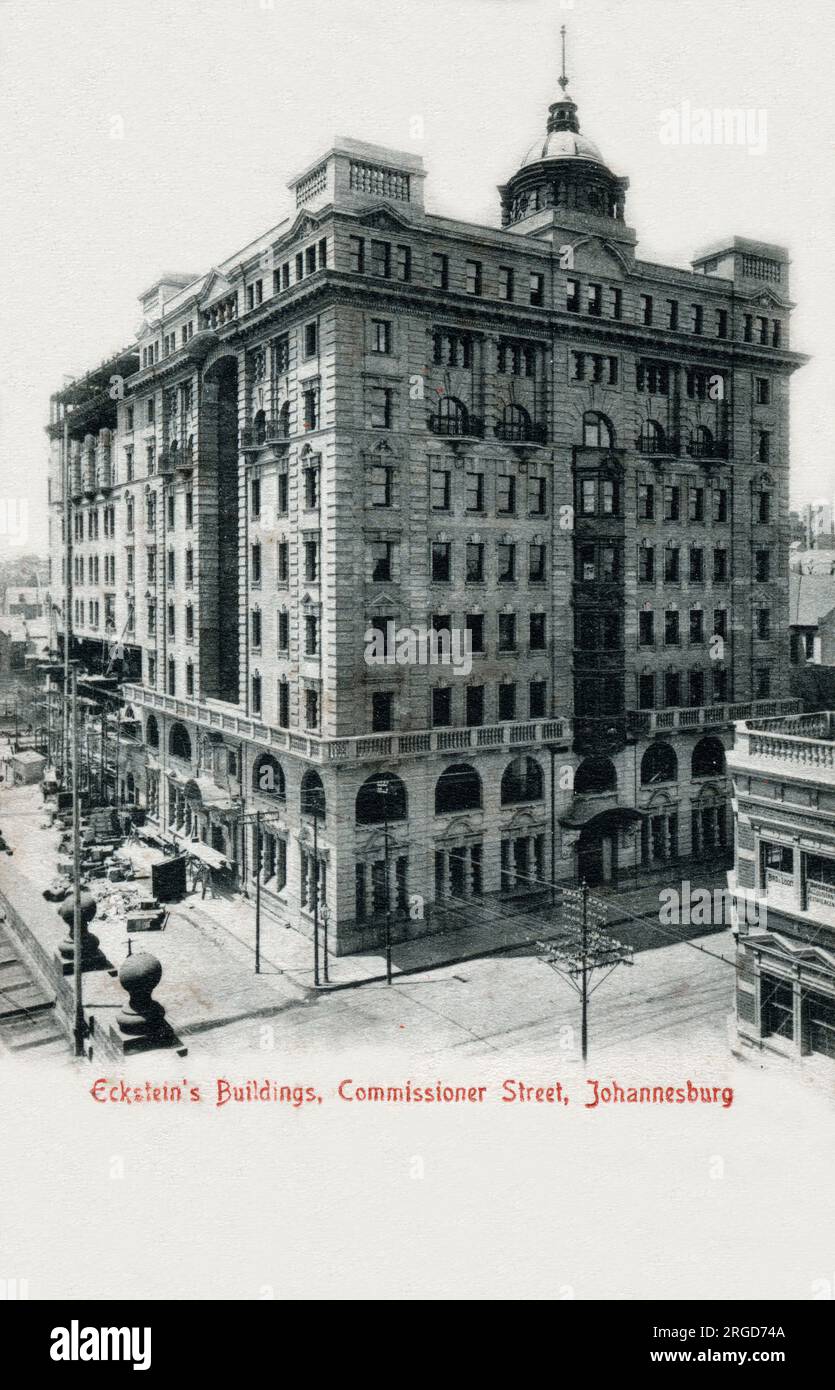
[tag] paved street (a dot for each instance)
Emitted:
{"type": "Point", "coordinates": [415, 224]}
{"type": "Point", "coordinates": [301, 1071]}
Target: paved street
{"type": "Point", "coordinates": [507, 1004]}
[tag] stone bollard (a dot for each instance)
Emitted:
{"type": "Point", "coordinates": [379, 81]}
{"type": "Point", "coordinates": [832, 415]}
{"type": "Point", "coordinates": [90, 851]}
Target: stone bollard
{"type": "Point", "coordinates": [141, 1023]}
{"type": "Point", "coordinates": [92, 957]}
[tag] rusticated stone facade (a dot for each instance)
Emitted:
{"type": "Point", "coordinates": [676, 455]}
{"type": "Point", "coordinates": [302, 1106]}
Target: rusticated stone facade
{"type": "Point", "coordinates": [375, 418]}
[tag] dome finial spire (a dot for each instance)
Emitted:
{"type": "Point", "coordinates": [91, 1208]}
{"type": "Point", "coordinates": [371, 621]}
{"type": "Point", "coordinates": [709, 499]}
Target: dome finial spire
{"type": "Point", "coordinates": [563, 78]}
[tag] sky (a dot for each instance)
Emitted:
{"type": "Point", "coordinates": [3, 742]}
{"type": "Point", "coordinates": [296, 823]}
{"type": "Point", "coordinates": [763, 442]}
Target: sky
{"type": "Point", "coordinates": [154, 137]}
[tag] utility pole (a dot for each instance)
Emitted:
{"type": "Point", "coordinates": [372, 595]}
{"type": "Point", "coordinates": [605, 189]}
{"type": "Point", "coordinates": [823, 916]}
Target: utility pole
{"type": "Point", "coordinates": [586, 947]}
{"type": "Point", "coordinates": [68, 599]}
{"type": "Point", "coordinates": [76, 860]}
{"type": "Point", "coordinates": [258, 892]}
{"type": "Point", "coordinates": [384, 786]}
{"type": "Point", "coordinates": [316, 979]}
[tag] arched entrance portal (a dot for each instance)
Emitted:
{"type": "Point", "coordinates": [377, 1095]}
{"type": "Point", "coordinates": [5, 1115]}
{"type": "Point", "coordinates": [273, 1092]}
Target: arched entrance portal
{"type": "Point", "coordinates": [599, 846]}
{"type": "Point", "coordinates": [219, 673]}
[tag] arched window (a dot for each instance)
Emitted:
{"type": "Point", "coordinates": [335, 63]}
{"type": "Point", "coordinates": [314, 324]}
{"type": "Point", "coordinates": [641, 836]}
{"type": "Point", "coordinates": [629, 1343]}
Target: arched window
{"type": "Point", "coordinates": [515, 424]}
{"type": "Point", "coordinates": [312, 800]}
{"type": "Point", "coordinates": [458, 789]}
{"type": "Point", "coordinates": [652, 439]}
{"type": "Point", "coordinates": [452, 416]}
{"type": "Point", "coordinates": [268, 777]}
{"type": "Point", "coordinates": [152, 732]}
{"type": "Point", "coordinates": [595, 775]}
{"type": "Point", "coordinates": [179, 743]}
{"type": "Point", "coordinates": [381, 798]}
{"type": "Point", "coordinates": [521, 781]}
{"type": "Point", "coordinates": [701, 444]}
{"type": "Point", "coordinates": [708, 758]}
{"type": "Point", "coordinates": [597, 431]}
{"type": "Point", "coordinates": [659, 764]}
{"type": "Point", "coordinates": [259, 427]}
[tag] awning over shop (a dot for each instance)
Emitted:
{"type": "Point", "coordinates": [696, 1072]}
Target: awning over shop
{"type": "Point", "coordinates": [585, 809]}
{"type": "Point", "coordinates": [204, 791]}
{"type": "Point", "coordinates": [195, 849]}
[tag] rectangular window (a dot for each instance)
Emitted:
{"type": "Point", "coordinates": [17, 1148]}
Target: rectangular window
{"type": "Point", "coordinates": [507, 701]}
{"type": "Point", "coordinates": [536, 563]}
{"type": "Point", "coordinates": [720, 504]}
{"type": "Point", "coordinates": [697, 565]}
{"type": "Point", "coordinates": [441, 561]}
{"type": "Point", "coordinates": [572, 296]}
{"type": "Point", "coordinates": [671, 564]}
{"type": "Point", "coordinates": [672, 689]}
{"type": "Point", "coordinates": [440, 489]}
{"type": "Point", "coordinates": [283, 562]}
{"type": "Point", "coordinates": [671, 503]}
{"type": "Point", "coordinates": [764, 624]}
{"type": "Point", "coordinates": [382, 711]}
{"type": "Point", "coordinates": [310, 339]}
{"type": "Point", "coordinates": [646, 564]}
{"type": "Point", "coordinates": [646, 308]}
{"type": "Point", "coordinates": [594, 301]}
{"type": "Point", "coordinates": [474, 626]}
{"type": "Point", "coordinates": [356, 255]}
{"type": "Point", "coordinates": [474, 705]}
{"type": "Point", "coordinates": [310, 406]}
{"type": "Point", "coordinates": [505, 494]}
{"type": "Point", "coordinates": [721, 323]}
{"type": "Point", "coordinates": [441, 707]}
{"type": "Point", "coordinates": [380, 335]}
{"type": "Point", "coordinates": [473, 277]}
{"type": "Point", "coordinates": [380, 406]}
{"type": "Point", "coordinates": [537, 288]}
{"type": "Point", "coordinates": [506, 563]}
{"type": "Point", "coordinates": [720, 565]}
{"type": "Point", "coordinates": [403, 263]}
{"type": "Point", "coordinates": [505, 282]}
{"type": "Point", "coordinates": [646, 501]}
{"type": "Point", "coordinates": [536, 632]}
{"type": "Point", "coordinates": [284, 704]}
{"type": "Point", "coordinates": [440, 270]}
{"type": "Point", "coordinates": [764, 507]}
{"type": "Point", "coordinates": [311, 709]}
{"type": "Point", "coordinates": [537, 495]}
{"type": "Point", "coordinates": [255, 498]}
{"type": "Point", "coordinates": [474, 492]}
{"type": "Point", "coordinates": [646, 628]}
{"type": "Point", "coordinates": [672, 313]}
{"type": "Point", "coordinates": [762, 387]}
{"type": "Point", "coordinates": [697, 317]}
{"type": "Point", "coordinates": [617, 303]}
{"type": "Point", "coordinates": [381, 566]}
{"type": "Point", "coordinates": [381, 258]}
{"type": "Point", "coordinates": [762, 566]}
{"type": "Point", "coordinates": [697, 504]}
{"type": "Point", "coordinates": [763, 446]}
{"type": "Point", "coordinates": [255, 561]}
{"type": "Point", "coordinates": [381, 484]}
{"type": "Point", "coordinates": [536, 699]}
{"type": "Point", "coordinates": [475, 562]}
{"type": "Point", "coordinates": [671, 628]}
{"type": "Point", "coordinates": [283, 635]}
{"type": "Point", "coordinates": [507, 632]}
{"type": "Point", "coordinates": [282, 501]}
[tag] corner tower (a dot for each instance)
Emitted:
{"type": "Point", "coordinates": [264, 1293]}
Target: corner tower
{"type": "Point", "coordinates": [563, 170]}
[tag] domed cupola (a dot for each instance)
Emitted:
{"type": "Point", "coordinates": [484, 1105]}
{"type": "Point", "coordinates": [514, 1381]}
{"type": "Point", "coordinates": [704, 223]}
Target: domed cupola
{"type": "Point", "coordinates": [563, 170]}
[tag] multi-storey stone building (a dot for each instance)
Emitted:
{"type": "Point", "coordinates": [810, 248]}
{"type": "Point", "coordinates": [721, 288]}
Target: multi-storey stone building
{"type": "Point", "coordinates": [375, 417]}
{"type": "Point", "coordinates": [783, 882]}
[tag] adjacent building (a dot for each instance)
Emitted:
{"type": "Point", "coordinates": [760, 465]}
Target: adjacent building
{"type": "Point", "coordinates": [374, 423]}
{"type": "Point", "coordinates": [783, 882]}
